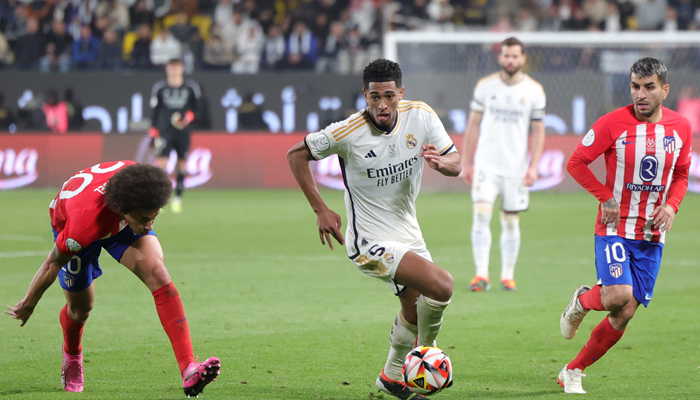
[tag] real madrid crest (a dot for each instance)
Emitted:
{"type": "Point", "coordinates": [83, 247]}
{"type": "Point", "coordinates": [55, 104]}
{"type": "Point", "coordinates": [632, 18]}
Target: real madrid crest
{"type": "Point", "coordinates": [411, 142]}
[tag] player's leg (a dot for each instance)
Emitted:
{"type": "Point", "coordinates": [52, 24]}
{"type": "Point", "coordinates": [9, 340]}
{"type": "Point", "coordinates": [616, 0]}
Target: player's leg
{"type": "Point", "coordinates": [516, 198]}
{"type": "Point", "coordinates": [182, 147]}
{"type": "Point", "coordinates": [484, 192]}
{"type": "Point", "coordinates": [73, 316]}
{"type": "Point", "coordinates": [144, 258]}
{"type": "Point", "coordinates": [435, 286]}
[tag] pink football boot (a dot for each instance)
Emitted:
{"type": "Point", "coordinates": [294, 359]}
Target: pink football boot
{"type": "Point", "coordinates": [72, 372]}
{"type": "Point", "coordinates": [198, 375]}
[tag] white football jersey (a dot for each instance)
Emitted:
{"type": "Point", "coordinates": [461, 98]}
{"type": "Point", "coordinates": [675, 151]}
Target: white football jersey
{"type": "Point", "coordinates": [505, 125]}
{"type": "Point", "coordinates": [381, 170]}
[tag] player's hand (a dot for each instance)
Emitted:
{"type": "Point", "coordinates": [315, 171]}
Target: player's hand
{"type": "Point", "coordinates": [157, 143]}
{"type": "Point", "coordinates": [467, 174]}
{"type": "Point", "coordinates": [179, 121]}
{"type": "Point", "coordinates": [610, 213]}
{"type": "Point", "coordinates": [21, 312]}
{"type": "Point", "coordinates": [431, 155]}
{"type": "Point", "coordinates": [663, 217]}
{"type": "Point", "coordinates": [329, 224]}
{"type": "Point", "coordinates": [530, 177]}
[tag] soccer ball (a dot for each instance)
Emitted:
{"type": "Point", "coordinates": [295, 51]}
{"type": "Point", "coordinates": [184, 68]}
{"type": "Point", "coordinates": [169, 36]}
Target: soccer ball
{"type": "Point", "coordinates": [427, 370]}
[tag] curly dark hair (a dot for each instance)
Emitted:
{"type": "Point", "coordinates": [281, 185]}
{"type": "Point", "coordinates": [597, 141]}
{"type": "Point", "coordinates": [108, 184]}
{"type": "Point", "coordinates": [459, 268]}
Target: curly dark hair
{"type": "Point", "coordinates": [138, 187]}
{"type": "Point", "coordinates": [646, 68]}
{"type": "Point", "coordinates": [381, 70]}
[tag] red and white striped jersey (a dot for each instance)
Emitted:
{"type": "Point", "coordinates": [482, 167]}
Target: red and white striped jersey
{"type": "Point", "coordinates": [639, 160]}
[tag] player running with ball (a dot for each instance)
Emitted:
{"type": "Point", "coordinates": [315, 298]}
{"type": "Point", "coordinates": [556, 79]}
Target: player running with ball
{"type": "Point", "coordinates": [112, 206]}
{"type": "Point", "coordinates": [380, 150]}
{"type": "Point", "coordinates": [647, 151]}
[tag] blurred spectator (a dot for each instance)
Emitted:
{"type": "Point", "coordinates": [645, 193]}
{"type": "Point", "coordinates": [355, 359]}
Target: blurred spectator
{"type": "Point", "coordinates": [39, 9]}
{"type": "Point", "coordinates": [56, 113]}
{"type": "Point", "coordinates": [613, 20]}
{"type": "Point", "coordinates": [7, 118]}
{"type": "Point", "coordinates": [6, 55]}
{"type": "Point", "coordinates": [579, 21]}
{"type": "Point", "coordinates": [230, 31]}
{"type": "Point", "coordinates": [217, 55]}
{"type": "Point", "coordinates": [526, 22]}
{"type": "Point", "coordinates": [302, 48]}
{"type": "Point", "coordinates": [164, 48]}
{"type": "Point", "coordinates": [196, 47]}
{"type": "Point", "coordinates": [551, 20]}
{"type": "Point", "coordinates": [115, 12]}
{"type": "Point", "coordinates": [689, 107]}
{"type": "Point", "coordinates": [596, 10]}
{"type": "Point", "coordinates": [85, 49]}
{"type": "Point", "coordinates": [274, 49]}
{"type": "Point", "coordinates": [328, 58]}
{"type": "Point", "coordinates": [650, 14]}
{"type": "Point", "coordinates": [307, 11]}
{"type": "Point", "coordinates": [58, 48]}
{"type": "Point", "coordinates": [140, 14]}
{"type": "Point", "coordinates": [248, 50]}
{"type": "Point", "coordinates": [17, 25]}
{"type": "Point", "coordinates": [686, 14]}
{"type": "Point", "coordinates": [109, 55]}
{"type": "Point", "coordinates": [75, 111]}
{"type": "Point", "coordinates": [566, 9]}
{"type": "Point", "coordinates": [63, 10]}
{"type": "Point", "coordinates": [502, 24]}
{"type": "Point", "coordinates": [99, 26]}
{"type": "Point", "coordinates": [476, 13]}
{"type": "Point", "coordinates": [30, 46]}
{"type": "Point", "coordinates": [141, 53]}
{"type": "Point", "coordinates": [440, 11]}
{"type": "Point", "coordinates": [671, 20]}
{"type": "Point", "coordinates": [182, 29]}
{"type": "Point", "coordinates": [222, 13]}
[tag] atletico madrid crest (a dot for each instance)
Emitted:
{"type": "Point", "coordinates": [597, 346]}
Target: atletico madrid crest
{"type": "Point", "coordinates": [669, 144]}
{"type": "Point", "coordinates": [615, 270]}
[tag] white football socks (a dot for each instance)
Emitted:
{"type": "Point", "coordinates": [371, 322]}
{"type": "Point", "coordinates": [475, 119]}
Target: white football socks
{"type": "Point", "coordinates": [429, 319]}
{"type": "Point", "coordinates": [481, 238]}
{"type": "Point", "coordinates": [403, 337]}
{"type": "Point", "coordinates": [510, 244]}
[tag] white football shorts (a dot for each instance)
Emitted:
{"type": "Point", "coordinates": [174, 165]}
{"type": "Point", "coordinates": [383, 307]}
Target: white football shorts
{"type": "Point", "coordinates": [381, 258]}
{"type": "Point", "coordinates": [514, 195]}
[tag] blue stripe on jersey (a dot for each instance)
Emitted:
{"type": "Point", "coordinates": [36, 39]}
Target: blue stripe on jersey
{"type": "Point", "coordinates": [309, 149]}
{"type": "Point", "coordinates": [448, 150]}
{"type": "Point", "coordinates": [352, 207]}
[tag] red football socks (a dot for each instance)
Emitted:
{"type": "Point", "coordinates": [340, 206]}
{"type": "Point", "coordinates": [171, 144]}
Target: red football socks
{"type": "Point", "coordinates": [172, 317]}
{"type": "Point", "coordinates": [72, 333]}
{"type": "Point", "coordinates": [603, 337]}
{"type": "Point", "coordinates": [591, 299]}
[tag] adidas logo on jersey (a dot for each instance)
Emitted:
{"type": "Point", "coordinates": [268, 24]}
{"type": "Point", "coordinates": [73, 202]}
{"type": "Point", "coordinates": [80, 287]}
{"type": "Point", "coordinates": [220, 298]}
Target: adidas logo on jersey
{"type": "Point", "coordinates": [371, 154]}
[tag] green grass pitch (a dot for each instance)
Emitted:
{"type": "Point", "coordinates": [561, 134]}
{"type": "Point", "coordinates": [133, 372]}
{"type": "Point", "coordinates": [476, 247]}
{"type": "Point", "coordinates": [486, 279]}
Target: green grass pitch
{"type": "Point", "coordinates": [292, 320]}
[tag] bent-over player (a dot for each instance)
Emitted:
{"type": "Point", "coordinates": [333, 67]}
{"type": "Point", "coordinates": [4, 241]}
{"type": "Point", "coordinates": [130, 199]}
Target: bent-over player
{"type": "Point", "coordinates": [381, 151]}
{"type": "Point", "coordinates": [111, 206]}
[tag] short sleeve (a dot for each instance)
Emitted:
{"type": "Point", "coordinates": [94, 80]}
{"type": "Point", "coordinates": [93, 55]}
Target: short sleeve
{"type": "Point", "coordinates": [321, 144]}
{"type": "Point", "coordinates": [478, 103]}
{"type": "Point", "coordinates": [596, 142]}
{"type": "Point", "coordinates": [438, 136]}
{"type": "Point", "coordinates": [538, 105]}
{"type": "Point", "coordinates": [79, 232]}
{"type": "Point", "coordinates": [685, 155]}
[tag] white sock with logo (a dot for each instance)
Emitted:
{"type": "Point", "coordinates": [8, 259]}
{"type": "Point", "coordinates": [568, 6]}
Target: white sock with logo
{"type": "Point", "coordinates": [481, 238]}
{"type": "Point", "coordinates": [510, 244]}
{"type": "Point", "coordinates": [429, 319]}
{"type": "Point", "coordinates": [403, 336]}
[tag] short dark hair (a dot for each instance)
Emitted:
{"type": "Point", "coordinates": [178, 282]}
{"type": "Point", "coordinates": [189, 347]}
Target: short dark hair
{"type": "Point", "coordinates": [138, 187]}
{"type": "Point", "coordinates": [174, 60]}
{"type": "Point", "coordinates": [513, 41]}
{"type": "Point", "coordinates": [646, 68]}
{"type": "Point", "coordinates": [381, 70]}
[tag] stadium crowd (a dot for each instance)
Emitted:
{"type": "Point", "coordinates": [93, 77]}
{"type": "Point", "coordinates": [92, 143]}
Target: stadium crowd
{"type": "Point", "coordinates": [248, 36]}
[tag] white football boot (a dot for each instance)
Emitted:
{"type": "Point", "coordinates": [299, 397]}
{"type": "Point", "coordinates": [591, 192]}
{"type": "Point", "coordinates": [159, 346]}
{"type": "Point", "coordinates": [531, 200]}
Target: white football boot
{"type": "Point", "coordinates": [570, 380]}
{"type": "Point", "coordinates": [573, 315]}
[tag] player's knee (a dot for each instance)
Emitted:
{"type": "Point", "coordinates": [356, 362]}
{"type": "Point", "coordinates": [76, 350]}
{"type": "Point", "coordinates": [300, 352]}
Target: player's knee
{"type": "Point", "coordinates": [617, 300]}
{"type": "Point", "coordinates": [510, 221]}
{"type": "Point", "coordinates": [483, 213]}
{"type": "Point", "coordinates": [80, 313]}
{"type": "Point", "coordinates": [160, 276]}
{"type": "Point", "coordinates": [444, 287]}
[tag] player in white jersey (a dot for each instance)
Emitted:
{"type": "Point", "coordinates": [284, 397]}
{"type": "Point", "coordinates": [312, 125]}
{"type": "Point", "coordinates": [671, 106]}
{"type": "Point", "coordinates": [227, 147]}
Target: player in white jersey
{"type": "Point", "coordinates": [381, 150]}
{"type": "Point", "coordinates": [507, 106]}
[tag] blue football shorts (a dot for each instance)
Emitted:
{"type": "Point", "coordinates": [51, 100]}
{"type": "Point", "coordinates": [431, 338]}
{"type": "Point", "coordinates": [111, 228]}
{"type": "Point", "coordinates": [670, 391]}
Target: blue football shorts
{"type": "Point", "coordinates": [621, 261]}
{"type": "Point", "coordinates": [84, 267]}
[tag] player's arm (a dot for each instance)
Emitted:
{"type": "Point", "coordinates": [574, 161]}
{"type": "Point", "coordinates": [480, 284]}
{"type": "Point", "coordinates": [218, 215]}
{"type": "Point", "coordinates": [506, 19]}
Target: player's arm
{"type": "Point", "coordinates": [536, 148]}
{"type": "Point", "coordinates": [43, 279]}
{"type": "Point", "coordinates": [666, 213]}
{"type": "Point", "coordinates": [471, 136]}
{"type": "Point", "coordinates": [328, 222]}
{"type": "Point", "coordinates": [449, 164]}
{"type": "Point", "coordinates": [192, 106]}
{"type": "Point", "coordinates": [579, 170]}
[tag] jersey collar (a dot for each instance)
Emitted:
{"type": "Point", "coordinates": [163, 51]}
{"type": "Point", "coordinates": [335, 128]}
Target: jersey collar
{"type": "Point", "coordinates": [390, 131]}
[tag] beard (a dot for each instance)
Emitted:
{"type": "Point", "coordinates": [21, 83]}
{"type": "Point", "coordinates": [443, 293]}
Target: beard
{"type": "Point", "coordinates": [513, 72]}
